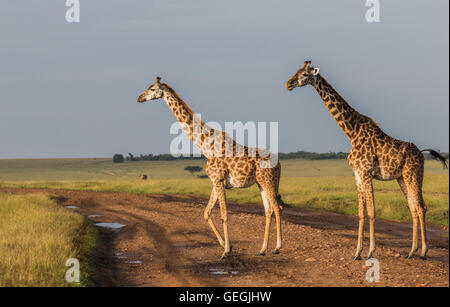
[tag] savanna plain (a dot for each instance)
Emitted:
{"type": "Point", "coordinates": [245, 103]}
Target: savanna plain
{"type": "Point", "coordinates": [39, 233]}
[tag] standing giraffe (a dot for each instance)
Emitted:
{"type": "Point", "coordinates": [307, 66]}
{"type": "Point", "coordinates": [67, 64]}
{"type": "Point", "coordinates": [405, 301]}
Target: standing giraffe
{"type": "Point", "coordinates": [374, 154]}
{"type": "Point", "coordinates": [229, 165]}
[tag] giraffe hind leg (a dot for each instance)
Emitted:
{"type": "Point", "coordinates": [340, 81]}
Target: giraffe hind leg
{"type": "Point", "coordinates": [277, 209]}
{"type": "Point", "coordinates": [268, 212]}
{"type": "Point", "coordinates": [414, 216]}
{"type": "Point", "coordinates": [414, 187]}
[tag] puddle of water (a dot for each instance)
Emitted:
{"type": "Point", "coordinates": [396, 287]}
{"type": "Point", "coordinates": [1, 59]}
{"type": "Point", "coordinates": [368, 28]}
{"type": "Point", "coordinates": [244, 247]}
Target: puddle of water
{"type": "Point", "coordinates": [120, 255]}
{"type": "Point", "coordinates": [110, 225]}
{"type": "Point", "coordinates": [91, 216]}
{"type": "Point", "coordinates": [217, 271]}
{"type": "Point", "coordinates": [72, 207]}
{"type": "Point", "coordinates": [134, 261]}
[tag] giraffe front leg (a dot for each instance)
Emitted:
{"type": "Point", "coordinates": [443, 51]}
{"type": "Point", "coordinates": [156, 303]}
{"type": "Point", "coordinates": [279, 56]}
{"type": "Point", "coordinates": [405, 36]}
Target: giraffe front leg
{"type": "Point", "coordinates": [361, 206]}
{"type": "Point", "coordinates": [207, 215]}
{"type": "Point", "coordinates": [368, 191]}
{"type": "Point", "coordinates": [220, 190]}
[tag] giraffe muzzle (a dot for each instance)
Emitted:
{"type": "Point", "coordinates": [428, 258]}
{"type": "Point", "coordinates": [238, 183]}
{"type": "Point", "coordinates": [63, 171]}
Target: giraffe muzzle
{"type": "Point", "coordinates": [289, 86]}
{"type": "Point", "coordinates": [141, 99]}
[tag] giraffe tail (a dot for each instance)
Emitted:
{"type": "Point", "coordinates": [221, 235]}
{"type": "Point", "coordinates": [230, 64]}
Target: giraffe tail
{"type": "Point", "coordinates": [281, 203]}
{"type": "Point", "coordinates": [437, 156]}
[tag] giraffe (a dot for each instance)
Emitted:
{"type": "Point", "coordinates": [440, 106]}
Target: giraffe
{"type": "Point", "coordinates": [374, 155]}
{"type": "Point", "coordinates": [229, 165]}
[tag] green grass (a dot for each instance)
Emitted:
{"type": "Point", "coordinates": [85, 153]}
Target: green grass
{"type": "Point", "coordinates": [319, 184]}
{"type": "Point", "coordinates": [103, 169]}
{"type": "Point", "coordinates": [37, 238]}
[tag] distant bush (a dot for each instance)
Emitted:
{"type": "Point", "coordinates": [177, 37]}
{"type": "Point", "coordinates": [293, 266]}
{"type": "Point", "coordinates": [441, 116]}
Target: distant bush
{"type": "Point", "coordinates": [193, 169]}
{"type": "Point", "coordinates": [312, 155]}
{"type": "Point", "coordinates": [281, 156]}
{"type": "Point", "coordinates": [160, 157]}
{"type": "Point", "coordinates": [118, 158]}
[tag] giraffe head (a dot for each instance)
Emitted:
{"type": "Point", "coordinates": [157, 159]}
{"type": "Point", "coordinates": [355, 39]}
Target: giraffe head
{"type": "Point", "coordinates": [304, 76]}
{"type": "Point", "coordinates": [154, 91]}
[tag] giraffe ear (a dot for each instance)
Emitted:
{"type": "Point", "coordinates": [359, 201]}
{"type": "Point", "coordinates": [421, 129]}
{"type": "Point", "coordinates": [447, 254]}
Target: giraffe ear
{"type": "Point", "coordinates": [315, 71]}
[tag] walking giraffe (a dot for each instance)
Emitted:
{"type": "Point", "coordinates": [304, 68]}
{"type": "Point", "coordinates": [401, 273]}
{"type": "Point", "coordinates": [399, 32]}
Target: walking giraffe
{"type": "Point", "coordinates": [374, 154]}
{"type": "Point", "coordinates": [229, 165]}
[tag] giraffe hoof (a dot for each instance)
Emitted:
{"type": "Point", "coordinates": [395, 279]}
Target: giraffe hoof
{"type": "Point", "coordinates": [356, 258]}
{"type": "Point", "coordinates": [261, 254]}
{"type": "Point", "coordinates": [226, 253]}
{"type": "Point", "coordinates": [276, 252]}
{"type": "Point", "coordinates": [369, 256]}
{"type": "Point", "coordinates": [423, 257]}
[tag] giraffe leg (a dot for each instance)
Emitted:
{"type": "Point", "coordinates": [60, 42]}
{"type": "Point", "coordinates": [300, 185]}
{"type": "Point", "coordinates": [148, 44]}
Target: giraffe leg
{"type": "Point", "coordinates": [220, 190]}
{"type": "Point", "coordinates": [368, 193]}
{"type": "Point", "coordinates": [414, 186]}
{"type": "Point", "coordinates": [423, 230]}
{"type": "Point", "coordinates": [207, 215]}
{"type": "Point", "coordinates": [415, 217]}
{"type": "Point", "coordinates": [421, 210]}
{"type": "Point", "coordinates": [268, 211]}
{"type": "Point", "coordinates": [277, 210]}
{"type": "Point", "coordinates": [361, 207]}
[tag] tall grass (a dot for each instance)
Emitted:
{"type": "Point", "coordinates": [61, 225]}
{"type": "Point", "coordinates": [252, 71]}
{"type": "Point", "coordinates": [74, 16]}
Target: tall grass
{"type": "Point", "coordinates": [37, 237]}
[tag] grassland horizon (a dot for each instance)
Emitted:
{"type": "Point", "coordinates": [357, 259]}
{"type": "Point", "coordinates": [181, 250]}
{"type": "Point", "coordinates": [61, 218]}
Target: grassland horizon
{"type": "Point", "coordinates": [326, 185]}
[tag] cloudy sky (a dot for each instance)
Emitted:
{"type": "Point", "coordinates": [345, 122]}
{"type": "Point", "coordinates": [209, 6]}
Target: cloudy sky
{"type": "Point", "coordinates": [70, 89]}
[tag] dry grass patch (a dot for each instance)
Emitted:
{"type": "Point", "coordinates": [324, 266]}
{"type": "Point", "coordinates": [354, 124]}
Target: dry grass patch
{"type": "Point", "coordinates": [38, 236]}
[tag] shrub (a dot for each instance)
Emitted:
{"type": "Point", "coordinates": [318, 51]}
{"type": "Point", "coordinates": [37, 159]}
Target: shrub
{"type": "Point", "coordinates": [118, 158]}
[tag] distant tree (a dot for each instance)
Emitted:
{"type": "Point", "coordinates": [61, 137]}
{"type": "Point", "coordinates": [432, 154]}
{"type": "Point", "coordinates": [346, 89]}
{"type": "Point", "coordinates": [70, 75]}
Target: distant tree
{"type": "Point", "coordinates": [193, 169]}
{"type": "Point", "coordinates": [130, 157]}
{"type": "Point", "coordinates": [118, 158]}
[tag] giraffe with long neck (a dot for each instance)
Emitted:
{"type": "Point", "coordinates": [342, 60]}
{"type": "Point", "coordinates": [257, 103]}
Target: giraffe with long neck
{"type": "Point", "coordinates": [229, 165]}
{"type": "Point", "coordinates": [374, 155]}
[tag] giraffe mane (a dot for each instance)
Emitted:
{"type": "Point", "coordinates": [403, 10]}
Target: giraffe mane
{"type": "Point", "coordinates": [370, 120]}
{"type": "Point", "coordinates": [178, 97]}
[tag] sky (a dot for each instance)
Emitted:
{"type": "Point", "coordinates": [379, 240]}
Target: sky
{"type": "Point", "coordinates": [70, 89]}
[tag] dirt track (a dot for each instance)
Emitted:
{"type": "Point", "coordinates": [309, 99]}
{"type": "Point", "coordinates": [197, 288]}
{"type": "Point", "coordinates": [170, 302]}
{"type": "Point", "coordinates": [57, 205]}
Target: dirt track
{"type": "Point", "coordinates": [176, 247]}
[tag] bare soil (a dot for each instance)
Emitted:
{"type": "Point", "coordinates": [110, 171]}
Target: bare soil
{"type": "Point", "coordinates": [166, 242]}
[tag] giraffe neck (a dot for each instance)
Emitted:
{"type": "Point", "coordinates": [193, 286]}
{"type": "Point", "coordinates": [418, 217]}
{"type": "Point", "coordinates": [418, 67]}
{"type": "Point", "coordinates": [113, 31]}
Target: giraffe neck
{"type": "Point", "coordinates": [346, 117]}
{"type": "Point", "coordinates": [191, 124]}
